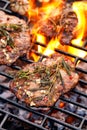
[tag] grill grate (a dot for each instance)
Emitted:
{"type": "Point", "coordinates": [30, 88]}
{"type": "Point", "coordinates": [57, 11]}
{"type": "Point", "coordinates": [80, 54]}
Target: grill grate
{"type": "Point", "coordinates": [14, 114]}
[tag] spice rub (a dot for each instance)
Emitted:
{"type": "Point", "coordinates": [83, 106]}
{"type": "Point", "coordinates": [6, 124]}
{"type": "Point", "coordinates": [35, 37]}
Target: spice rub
{"type": "Point", "coordinates": [42, 83]}
{"type": "Point", "coordinates": [14, 38]}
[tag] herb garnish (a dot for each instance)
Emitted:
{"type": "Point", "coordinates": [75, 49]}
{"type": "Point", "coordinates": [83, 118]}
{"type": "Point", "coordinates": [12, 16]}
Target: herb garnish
{"type": "Point", "coordinates": [11, 27]}
{"type": "Point", "coordinates": [23, 74]}
{"type": "Point", "coordinates": [16, 27]}
{"type": "Point", "coordinates": [5, 30]}
{"type": "Point", "coordinates": [60, 77]}
{"type": "Point", "coordinates": [46, 78]}
{"type": "Point", "coordinates": [66, 66]}
{"type": "Point", "coordinates": [47, 75]}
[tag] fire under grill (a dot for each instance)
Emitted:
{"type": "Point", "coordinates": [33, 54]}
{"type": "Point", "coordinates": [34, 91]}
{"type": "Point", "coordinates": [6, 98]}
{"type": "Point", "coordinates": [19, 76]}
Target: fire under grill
{"type": "Point", "coordinates": [69, 113]}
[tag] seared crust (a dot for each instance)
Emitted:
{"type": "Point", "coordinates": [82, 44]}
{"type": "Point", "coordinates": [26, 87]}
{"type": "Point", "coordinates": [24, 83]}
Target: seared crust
{"type": "Point", "coordinates": [42, 83]}
{"type": "Point", "coordinates": [18, 33]}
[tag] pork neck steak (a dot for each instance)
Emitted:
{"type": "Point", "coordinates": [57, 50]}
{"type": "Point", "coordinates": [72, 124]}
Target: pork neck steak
{"type": "Point", "coordinates": [14, 38]}
{"type": "Point", "coordinates": [42, 83]}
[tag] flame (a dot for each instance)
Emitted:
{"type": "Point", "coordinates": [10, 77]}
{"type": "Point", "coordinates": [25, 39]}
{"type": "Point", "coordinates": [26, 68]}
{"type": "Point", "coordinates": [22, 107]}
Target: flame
{"type": "Point", "coordinates": [54, 43]}
{"type": "Point", "coordinates": [80, 31]}
{"type": "Point", "coordinates": [44, 9]}
{"type": "Point", "coordinates": [48, 8]}
{"type": "Point", "coordinates": [40, 38]}
{"type": "Point", "coordinates": [81, 28]}
{"type": "Point", "coordinates": [53, 7]}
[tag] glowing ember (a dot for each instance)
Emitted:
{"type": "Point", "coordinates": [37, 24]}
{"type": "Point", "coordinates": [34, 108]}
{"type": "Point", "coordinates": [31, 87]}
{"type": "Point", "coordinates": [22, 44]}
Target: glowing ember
{"type": "Point", "coordinates": [43, 12]}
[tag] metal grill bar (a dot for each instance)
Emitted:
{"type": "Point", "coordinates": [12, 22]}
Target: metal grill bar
{"type": "Point", "coordinates": [45, 116]}
{"type": "Point", "coordinates": [14, 116]}
{"type": "Point", "coordinates": [5, 118]}
{"type": "Point", "coordinates": [75, 103]}
{"type": "Point", "coordinates": [4, 5]}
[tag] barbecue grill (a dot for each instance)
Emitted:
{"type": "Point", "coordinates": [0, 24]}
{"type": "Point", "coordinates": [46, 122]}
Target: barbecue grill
{"type": "Point", "coordinates": [15, 115]}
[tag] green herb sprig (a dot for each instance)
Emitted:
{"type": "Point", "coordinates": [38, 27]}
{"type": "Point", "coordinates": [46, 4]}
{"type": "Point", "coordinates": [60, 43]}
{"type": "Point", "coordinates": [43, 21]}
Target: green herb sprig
{"type": "Point", "coordinates": [47, 77]}
{"type": "Point", "coordinates": [23, 74]}
{"type": "Point", "coordinates": [5, 30]}
{"type": "Point", "coordinates": [66, 66]}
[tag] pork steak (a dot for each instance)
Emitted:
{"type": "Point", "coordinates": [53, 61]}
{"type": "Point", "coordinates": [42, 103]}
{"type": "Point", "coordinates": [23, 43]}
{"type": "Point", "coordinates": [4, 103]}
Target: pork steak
{"type": "Point", "coordinates": [42, 83]}
{"type": "Point", "coordinates": [14, 38]}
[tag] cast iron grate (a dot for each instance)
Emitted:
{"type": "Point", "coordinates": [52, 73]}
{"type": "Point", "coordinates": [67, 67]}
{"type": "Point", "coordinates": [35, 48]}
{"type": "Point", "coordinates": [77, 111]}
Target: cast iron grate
{"type": "Point", "coordinates": [15, 115]}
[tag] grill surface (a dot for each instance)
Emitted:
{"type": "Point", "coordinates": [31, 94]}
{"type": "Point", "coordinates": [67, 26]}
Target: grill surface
{"type": "Point", "coordinates": [9, 115]}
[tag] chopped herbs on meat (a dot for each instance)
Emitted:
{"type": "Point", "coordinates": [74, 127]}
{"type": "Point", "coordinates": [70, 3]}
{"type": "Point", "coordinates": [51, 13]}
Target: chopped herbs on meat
{"type": "Point", "coordinates": [5, 30]}
{"type": "Point", "coordinates": [6, 38]}
{"type": "Point", "coordinates": [60, 77]}
{"type": "Point", "coordinates": [11, 27]}
{"type": "Point", "coordinates": [16, 27]}
{"type": "Point", "coordinates": [23, 74]}
{"type": "Point", "coordinates": [66, 66]}
{"type": "Point", "coordinates": [45, 74]}
{"type": "Point", "coordinates": [42, 83]}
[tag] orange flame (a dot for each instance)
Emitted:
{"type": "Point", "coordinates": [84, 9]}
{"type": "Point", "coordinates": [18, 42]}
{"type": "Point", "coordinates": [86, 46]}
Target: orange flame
{"type": "Point", "coordinates": [79, 8]}
{"type": "Point", "coordinates": [54, 43]}
{"type": "Point", "coordinates": [80, 31]}
{"type": "Point", "coordinates": [53, 7]}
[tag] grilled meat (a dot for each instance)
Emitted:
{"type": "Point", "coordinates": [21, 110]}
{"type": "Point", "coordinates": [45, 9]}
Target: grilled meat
{"type": "Point", "coordinates": [19, 6]}
{"type": "Point", "coordinates": [61, 25]}
{"type": "Point", "coordinates": [49, 28]}
{"type": "Point", "coordinates": [42, 83]}
{"type": "Point", "coordinates": [68, 22]}
{"type": "Point", "coordinates": [14, 38]}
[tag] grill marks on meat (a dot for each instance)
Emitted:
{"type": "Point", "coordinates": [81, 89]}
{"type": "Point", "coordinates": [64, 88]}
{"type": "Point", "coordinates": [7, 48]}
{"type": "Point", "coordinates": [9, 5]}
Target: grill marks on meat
{"type": "Point", "coordinates": [14, 38]}
{"type": "Point", "coordinates": [42, 83]}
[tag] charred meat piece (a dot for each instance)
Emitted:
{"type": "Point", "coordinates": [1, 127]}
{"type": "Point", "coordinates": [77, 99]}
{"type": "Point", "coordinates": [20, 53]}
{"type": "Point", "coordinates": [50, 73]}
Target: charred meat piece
{"type": "Point", "coordinates": [14, 38]}
{"type": "Point", "coordinates": [42, 83]}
